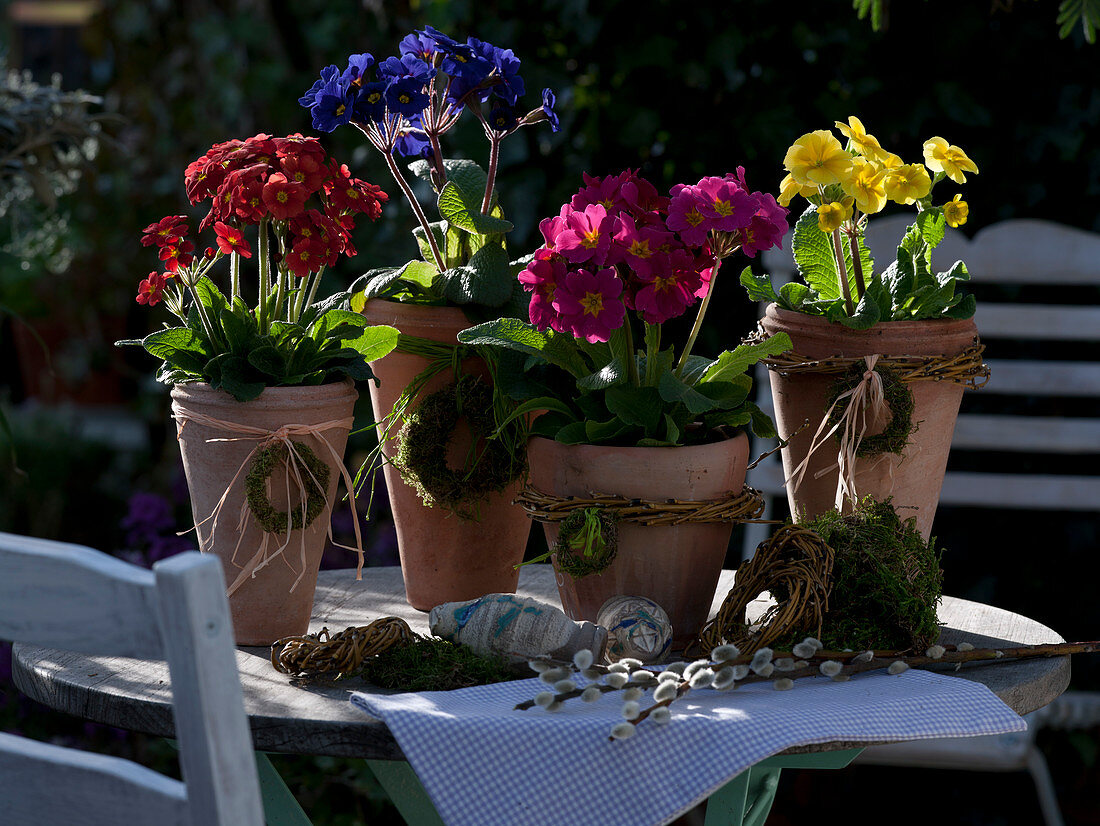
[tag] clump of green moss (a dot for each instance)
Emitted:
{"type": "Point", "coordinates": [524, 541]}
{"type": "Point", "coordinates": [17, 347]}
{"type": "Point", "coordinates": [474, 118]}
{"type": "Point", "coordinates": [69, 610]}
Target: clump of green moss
{"type": "Point", "coordinates": [887, 580]}
{"type": "Point", "coordinates": [587, 542]}
{"type": "Point", "coordinates": [432, 664]}
{"type": "Point", "coordinates": [422, 455]}
{"type": "Point", "coordinates": [895, 435]}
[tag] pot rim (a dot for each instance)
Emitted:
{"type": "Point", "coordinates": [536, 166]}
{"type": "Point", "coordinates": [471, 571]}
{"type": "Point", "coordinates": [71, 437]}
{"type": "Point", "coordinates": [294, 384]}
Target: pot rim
{"type": "Point", "coordinates": [426, 315]}
{"type": "Point", "coordinates": [290, 396]}
{"type": "Point", "coordinates": [810, 320]}
{"type": "Point", "coordinates": [580, 448]}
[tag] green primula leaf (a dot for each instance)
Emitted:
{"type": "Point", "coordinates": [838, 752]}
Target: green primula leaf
{"type": "Point", "coordinates": [467, 175]}
{"type": "Point", "coordinates": [814, 256]}
{"type": "Point", "coordinates": [732, 363]}
{"type": "Point", "coordinates": [239, 334]}
{"type": "Point", "coordinates": [759, 287]}
{"type": "Point", "coordinates": [792, 295]}
{"type": "Point", "coordinates": [639, 406]}
{"type": "Point", "coordinates": [673, 390]}
{"type": "Point", "coordinates": [336, 324]}
{"type": "Point", "coordinates": [574, 433]}
{"type": "Point", "coordinates": [267, 359]}
{"type": "Point", "coordinates": [486, 280]}
{"type": "Point", "coordinates": [727, 394]}
{"type": "Point", "coordinates": [557, 348]}
{"type": "Point", "coordinates": [695, 368]}
{"type": "Point", "coordinates": [465, 212]}
{"type": "Point", "coordinates": [932, 225]}
{"type": "Point", "coordinates": [611, 373]}
{"type": "Point", "coordinates": [439, 232]}
{"type": "Point", "coordinates": [867, 314]}
{"type": "Point", "coordinates": [597, 432]}
{"type": "Point", "coordinates": [211, 296]}
{"type": "Point", "coordinates": [180, 347]}
{"type": "Point", "coordinates": [964, 309]}
{"type": "Point", "coordinates": [374, 342]}
{"type": "Point", "coordinates": [761, 422]}
{"type": "Point", "coordinates": [238, 379]}
{"type": "Point", "coordinates": [728, 418]}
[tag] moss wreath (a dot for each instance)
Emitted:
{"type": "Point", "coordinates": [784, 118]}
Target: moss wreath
{"type": "Point", "coordinates": [315, 481]}
{"type": "Point", "coordinates": [899, 398]}
{"type": "Point", "coordinates": [422, 455]}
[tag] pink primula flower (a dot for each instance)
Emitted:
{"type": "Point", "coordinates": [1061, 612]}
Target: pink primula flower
{"type": "Point", "coordinates": [726, 204]}
{"type": "Point", "coordinates": [767, 227]}
{"type": "Point", "coordinates": [687, 215]}
{"type": "Point", "coordinates": [639, 244]}
{"type": "Point", "coordinates": [607, 192]}
{"type": "Point", "coordinates": [541, 279]}
{"type": "Point", "coordinates": [590, 303]}
{"type": "Point", "coordinates": [551, 228]}
{"type": "Point", "coordinates": [670, 290]}
{"type": "Point", "coordinates": [587, 236]}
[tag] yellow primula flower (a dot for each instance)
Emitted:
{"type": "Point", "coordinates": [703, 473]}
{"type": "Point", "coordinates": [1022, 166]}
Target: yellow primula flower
{"type": "Point", "coordinates": [955, 211]}
{"type": "Point", "coordinates": [832, 216]}
{"type": "Point", "coordinates": [890, 161]}
{"type": "Point", "coordinates": [789, 187]}
{"type": "Point", "coordinates": [864, 144]}
{"type": "Point", "coordinates": [907, 184]}
{"type": "Point", "coordinates": [817, 158]}
{"type": "Point", "coordinates": [940, 156]}
{"type": "Point", "coordinates": [867, 188]}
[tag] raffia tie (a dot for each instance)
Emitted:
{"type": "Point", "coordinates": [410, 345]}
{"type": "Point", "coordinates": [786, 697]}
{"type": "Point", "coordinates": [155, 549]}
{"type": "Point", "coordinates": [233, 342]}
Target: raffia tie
{"type": "Point", "coordinates": [295, 477]}
{"type": "Point", "coordinates": [866, 403]}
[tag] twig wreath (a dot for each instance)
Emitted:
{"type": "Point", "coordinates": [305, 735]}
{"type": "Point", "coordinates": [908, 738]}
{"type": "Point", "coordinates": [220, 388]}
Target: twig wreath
{"type": "Point", "coordinates": [314, 484]}
{"type": "Point", "coordinates": [899, 399]}
{"type": "Point", "coordinates": [342, 653]}
{"type": "Point", "coordinates": [796, 566]}
{"type": "Point", "coordinates": [422, 455]}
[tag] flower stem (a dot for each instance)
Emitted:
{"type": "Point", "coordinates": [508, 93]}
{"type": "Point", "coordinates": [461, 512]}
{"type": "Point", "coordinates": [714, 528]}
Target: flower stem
{"type": "Point", "coordinates": [652, 348]}
{"type": "Point", "coordinates": [234, 276]}
{"type": "Point", "coordinates": [490, 180]}
{"type": "Point", "coordinates": [420, 216]}
{"type": "Point", "coordinates": [631, 361]}
{"type": "Point", "coordinates": [842, 274]}
{"type": "Point", "coordinates": [698, 319]}
{"type": "Point", "coordinates": [264, 265]}
{"type": "Point", "coordinates": [857, 264]}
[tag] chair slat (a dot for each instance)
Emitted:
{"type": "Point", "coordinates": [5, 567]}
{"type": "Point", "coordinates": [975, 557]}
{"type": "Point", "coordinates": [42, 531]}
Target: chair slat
{"type": "Point", "coordinates": [1021, 377]}
{"type": "Point", "coordinates": [1038, 321]}
{"type": "Point", "coordinates": [97, 790]}
{"type": "Point", "coordinates": [1043, 492]}
{"type": "Point", "coordinates": [69, 597]}
{"type": "Point", "coordinates": [1027, 434]}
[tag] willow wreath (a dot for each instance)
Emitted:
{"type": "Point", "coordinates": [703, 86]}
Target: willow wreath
{"type": "Point", "coordinates": [422, 455]}
{"type": "Point", "coordinates": [314, 478]}
{"type": "Point", "coordinates": [899, 399]}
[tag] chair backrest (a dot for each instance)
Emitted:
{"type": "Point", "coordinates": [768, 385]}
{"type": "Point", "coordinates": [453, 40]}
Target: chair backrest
{"type": "Point", "coordinates": [1032, 382]}
{"type": "Point", "coordinates": [77, 599]}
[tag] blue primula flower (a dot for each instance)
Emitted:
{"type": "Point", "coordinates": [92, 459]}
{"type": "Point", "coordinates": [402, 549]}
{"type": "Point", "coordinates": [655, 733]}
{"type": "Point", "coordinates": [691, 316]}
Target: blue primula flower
{"type": "Point", "coordinates": [358, 66]}
{"type": "Point", "coordinates": [333, 107]}
{"type": "Point", "coordinates": [503, 118]}
{"type": "Point", "coordinates": [413, 141]}
{"type": "Point", "coordinates": [328, 74]}
{"type": "Point", "coordinates": [370, 103]}
{"type": "Point", "coordinates": [406, 96]}
{"type": "Point", "coordinates": [510, 87]}
{"type": "Point", "coordinates": [548, 101]}
{"type": "Point", "coordinates": [419, 45]}
{"type": "Point", "coordinates": [406, 66]}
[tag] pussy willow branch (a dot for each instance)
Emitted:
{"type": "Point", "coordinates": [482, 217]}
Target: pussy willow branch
{"type": "Point", "coordinates": [881, 659]}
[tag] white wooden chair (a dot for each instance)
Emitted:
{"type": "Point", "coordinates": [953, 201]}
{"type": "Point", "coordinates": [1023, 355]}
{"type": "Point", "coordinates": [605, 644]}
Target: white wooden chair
{"type": "Point", "coordinates": [1012, 254]}
{"type": "Point", "coordinates": [73, 598]}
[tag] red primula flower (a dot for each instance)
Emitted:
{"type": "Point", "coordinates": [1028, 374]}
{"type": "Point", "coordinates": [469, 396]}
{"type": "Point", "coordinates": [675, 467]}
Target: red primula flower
{"type": "Point", "coordinates": [151, 289]}
{"type": "Point", "coordinates": [231, 239]}
{"type": "Point", "coordinates": [177, 255]}
{"type": "Point", "coordinates": [283, 198]}
{"type": "Point", "coordinates": [306, 257]}
{"type": "Point", "coordinates": [306, 170]}
{"type": "Point", "coordinates": [167, 230]}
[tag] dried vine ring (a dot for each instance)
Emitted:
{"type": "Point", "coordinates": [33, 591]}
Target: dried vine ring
{"type": "Point", "coordinates": [899, 399]}
{"type": "Point", "coordinates": [587, 542]}
{"type": "Point", "coordinates": [422, 455]}
{"type": "Point", "coordinates": [314, 479]}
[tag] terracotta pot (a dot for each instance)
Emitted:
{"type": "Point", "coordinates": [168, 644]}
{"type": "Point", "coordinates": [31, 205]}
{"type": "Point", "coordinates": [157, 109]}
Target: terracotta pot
{"type": "Point", "coordinates": [444, 558]}
{"type": "Point", "coordinates": [269, 605]}
{"type": "Point", "coordinates": [675, 566]}
{"type": "Point", "coordinates": [914, 478]}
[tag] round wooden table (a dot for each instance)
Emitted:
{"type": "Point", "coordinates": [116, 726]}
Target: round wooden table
{"type": "Point", "coordinates": [317, 718]}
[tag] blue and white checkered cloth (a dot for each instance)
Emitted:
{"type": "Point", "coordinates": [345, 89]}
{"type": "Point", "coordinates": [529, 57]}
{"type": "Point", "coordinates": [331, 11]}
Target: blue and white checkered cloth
{"type": "Point", "coordinates": [484, 763]}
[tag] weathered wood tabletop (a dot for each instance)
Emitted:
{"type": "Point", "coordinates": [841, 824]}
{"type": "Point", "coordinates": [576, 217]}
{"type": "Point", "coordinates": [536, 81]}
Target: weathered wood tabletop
{"type": "Point", "coordinates": [316, 718]}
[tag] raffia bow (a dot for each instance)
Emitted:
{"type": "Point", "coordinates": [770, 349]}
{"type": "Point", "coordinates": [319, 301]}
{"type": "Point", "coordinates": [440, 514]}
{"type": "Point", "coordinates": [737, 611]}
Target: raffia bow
{"type": "Point", "coordinates": [296, 477]}
{"type": "Point", "coordinates": [866, 404]}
